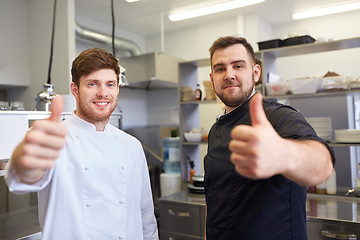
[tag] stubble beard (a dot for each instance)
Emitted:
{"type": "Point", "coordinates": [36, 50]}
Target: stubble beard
{"type": "Point", "coordinates": [240, 98]}
{"type": "Point", "coordinates": [91, 115]}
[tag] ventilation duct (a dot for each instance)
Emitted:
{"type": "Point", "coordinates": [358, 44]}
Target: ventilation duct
{"type": "Point", "coordinates": [122, 44]}
{"type": "Point", "coordinates": [158, 70]}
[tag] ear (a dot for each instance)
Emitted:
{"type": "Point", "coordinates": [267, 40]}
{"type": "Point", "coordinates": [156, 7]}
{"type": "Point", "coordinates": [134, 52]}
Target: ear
{"type": "Point", "coordinates": [257, 72]}
{"type": "Point", "coordinates": [211, 79]}
{"type": "Point", "coordinates": [74, 90]}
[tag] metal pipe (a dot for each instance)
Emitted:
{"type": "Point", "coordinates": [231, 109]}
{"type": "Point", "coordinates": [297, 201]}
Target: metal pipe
{"type": "Point", "coordinates": [120, 43]}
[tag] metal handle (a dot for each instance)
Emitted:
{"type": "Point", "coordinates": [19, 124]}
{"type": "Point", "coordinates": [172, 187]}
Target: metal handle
{"type": "Point", "coordinates": [339, 236]}
{"type": "Point", "coordinates": [179, 214]}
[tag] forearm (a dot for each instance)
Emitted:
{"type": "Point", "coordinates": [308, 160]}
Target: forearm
{"type": "Point", "coordinates": [308, 162]}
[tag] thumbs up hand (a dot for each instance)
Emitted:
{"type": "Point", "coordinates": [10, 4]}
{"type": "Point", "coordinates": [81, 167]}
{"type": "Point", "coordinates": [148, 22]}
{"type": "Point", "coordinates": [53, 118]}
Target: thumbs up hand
{"type": "Point", "coordinates": [41, 145]}
{"type": "Point", "coordinates": [256, 149]}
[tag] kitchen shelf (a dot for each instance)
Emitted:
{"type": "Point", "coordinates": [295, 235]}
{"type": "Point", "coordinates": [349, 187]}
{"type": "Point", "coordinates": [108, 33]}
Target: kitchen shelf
{"type": "Point", "coordinates": [338, 144]}
{"type": "Point", "coordinates": [193, 143]}
{"type": "Point", "coordinates": [310, 48]}
{"type": "Point", "coordinates": [2, 173]}
{"type": "Point", "coordinates": [199, 102]}
{"type": "Point", "coordinates": [319, 94]}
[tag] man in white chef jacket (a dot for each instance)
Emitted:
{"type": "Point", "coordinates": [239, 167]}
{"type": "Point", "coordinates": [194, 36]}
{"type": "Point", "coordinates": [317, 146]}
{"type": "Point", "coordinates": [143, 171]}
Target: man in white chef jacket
{"type": "Point", "coordinates": [92, 178]}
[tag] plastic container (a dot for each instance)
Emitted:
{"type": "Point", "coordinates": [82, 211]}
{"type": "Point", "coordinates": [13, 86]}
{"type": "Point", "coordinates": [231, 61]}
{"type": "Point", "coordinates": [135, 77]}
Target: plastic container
{"type": "Point", "coordinates": [171, 149]}
{"type": "Point", "coordinates": [335, 83]}
{"type": "Point", "coordinates": [278, 88]}
{"type": "Point", "coordinates": [275, 43]}
{"type": "Point", "coordinates": [331, 184]}
{"type": "Point", "coordinates": [298, 40]}
{"type": "Point", "coordinates": [305, 85]}
{"type": "Point", "coordinates": [170, 183]}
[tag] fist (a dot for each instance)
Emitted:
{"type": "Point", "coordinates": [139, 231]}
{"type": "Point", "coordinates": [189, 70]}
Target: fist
{"type": "Point", "coordinates": [255, 149]}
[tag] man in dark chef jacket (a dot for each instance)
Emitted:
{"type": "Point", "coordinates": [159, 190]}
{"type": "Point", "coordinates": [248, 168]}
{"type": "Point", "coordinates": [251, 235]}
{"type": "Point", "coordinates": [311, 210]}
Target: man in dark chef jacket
{"type": "Point", "coordinates": [261, 155]}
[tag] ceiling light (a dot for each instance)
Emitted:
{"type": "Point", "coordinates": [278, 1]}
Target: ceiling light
{"type": "Point", "coordinates": [132, 1]}
{"type": "Point", "coordinates": [211, 9]}
{"type": "Point", "coordinates": [326, 11]}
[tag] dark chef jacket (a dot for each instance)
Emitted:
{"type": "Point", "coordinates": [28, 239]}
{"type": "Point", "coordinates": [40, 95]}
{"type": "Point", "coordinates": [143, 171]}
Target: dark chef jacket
{"type": "Point", "coordinates": [240, 208]}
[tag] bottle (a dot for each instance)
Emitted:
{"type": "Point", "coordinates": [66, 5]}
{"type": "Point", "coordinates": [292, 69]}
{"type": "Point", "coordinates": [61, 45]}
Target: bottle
{"type": "Point", "coordinates": [198, 92]}
{"type": "Point", "coordinates": [331, 184]}
{"type": "Point", "coordinates": [321, 188]}
{"type": "Point", "coordinates": [192, 171]}
{"type": "Point", "coordinates": [171, 149]}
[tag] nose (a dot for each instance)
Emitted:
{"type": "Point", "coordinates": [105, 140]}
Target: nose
{"type": "Point", "coordinates": [229, 74]}
{"type": "Point", "coordinates": [101, 91]}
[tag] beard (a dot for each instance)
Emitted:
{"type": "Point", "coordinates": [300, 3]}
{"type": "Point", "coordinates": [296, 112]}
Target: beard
{"type": "Point", "coordinates": [239, 98]}
{"type": "Point", "coordinates": [92, 115]}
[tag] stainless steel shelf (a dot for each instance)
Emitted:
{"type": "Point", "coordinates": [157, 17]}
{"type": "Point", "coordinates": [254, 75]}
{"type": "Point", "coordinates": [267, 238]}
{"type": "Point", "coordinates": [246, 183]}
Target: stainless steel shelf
{"type": "Point", "coordinates": [314, 95]}
{"type": "Point", "coordinates": [199, 102]}
{"type": "Point", "coordinates": [193, 143]}
{"type": "Point", "coordinates": [311, 48]}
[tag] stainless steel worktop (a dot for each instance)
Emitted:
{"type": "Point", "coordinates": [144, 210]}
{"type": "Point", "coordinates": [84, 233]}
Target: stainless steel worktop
{"type": "Point", "coordinates": [23, 224]}
{"type": "Point", "coordinates": [317, 205]}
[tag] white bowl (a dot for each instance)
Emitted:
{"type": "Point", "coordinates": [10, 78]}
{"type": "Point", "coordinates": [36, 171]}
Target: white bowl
{"type": "Point", "coordinates": [193, 137]}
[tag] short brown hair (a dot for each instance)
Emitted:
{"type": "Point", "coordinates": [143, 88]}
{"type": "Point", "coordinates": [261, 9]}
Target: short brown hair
{"type": "Point", "coordinates": [224, 42]}
{"type": "Point", "coordinates": [91, 60]}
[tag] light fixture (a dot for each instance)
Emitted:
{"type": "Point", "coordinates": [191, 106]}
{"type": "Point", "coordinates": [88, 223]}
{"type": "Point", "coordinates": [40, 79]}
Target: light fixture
{"type": "Point", "coordinates": [220, 7]}
{"type": "Point", "coordinates": [326, 11]}
{"type": "Point", "coordinates": [130, 1]}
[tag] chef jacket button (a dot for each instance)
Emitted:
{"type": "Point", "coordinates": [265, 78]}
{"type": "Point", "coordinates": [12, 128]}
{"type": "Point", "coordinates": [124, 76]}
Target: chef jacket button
{"type": "Point", "coordinates": [122, 167]}
{"type": "Point", "coordinates": [121, 202]}
{"type": "Point", "coordinates": [88, 205]}
{"type": "Point", "coordinates": [86, 168]}
{"type": "Point", "coordinates": [77, 136]}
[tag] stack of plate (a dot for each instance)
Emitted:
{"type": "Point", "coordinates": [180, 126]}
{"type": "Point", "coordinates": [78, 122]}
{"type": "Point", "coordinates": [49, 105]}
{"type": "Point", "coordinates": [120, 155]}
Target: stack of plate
{"type": "Point", "coordinates": [322, 126]}
{"type": "Point", "coordinates": [198, 185]}
{"type": "Point", "coordinates": [347, 135]}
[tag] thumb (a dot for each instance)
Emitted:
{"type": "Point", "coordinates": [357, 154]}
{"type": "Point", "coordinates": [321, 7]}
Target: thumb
{"type": "Point", "coordinates": [57, 105]}
{"type": "Point", "coordinates": [257, 113]}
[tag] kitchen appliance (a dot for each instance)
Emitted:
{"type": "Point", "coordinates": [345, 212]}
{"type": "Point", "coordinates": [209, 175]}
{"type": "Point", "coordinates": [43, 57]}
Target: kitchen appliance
{"type": "Point", "coordinates": [158, 71]}
{"type": "Point", "coordinates": [43, 99]}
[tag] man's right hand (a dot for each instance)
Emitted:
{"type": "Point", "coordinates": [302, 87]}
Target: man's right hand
{"type": "Point", "coordinates": [41, 146]}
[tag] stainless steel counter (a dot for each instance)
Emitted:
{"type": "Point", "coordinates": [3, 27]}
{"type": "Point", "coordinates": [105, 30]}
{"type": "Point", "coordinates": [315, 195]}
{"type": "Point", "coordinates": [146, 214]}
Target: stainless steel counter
{"type": "Point", "coordinates": [317, 205]}
{"type": "Point", "coordinates": [22, 224]}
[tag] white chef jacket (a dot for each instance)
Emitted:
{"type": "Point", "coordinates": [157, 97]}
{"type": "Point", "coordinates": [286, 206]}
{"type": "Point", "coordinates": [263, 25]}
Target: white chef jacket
{"type": "Point", "coordinates": [99, 187]}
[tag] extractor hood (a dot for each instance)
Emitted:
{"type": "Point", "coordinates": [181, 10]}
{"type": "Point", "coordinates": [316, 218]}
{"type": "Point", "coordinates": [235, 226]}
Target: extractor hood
{"type": "Point", "coordinates": [151, 71]}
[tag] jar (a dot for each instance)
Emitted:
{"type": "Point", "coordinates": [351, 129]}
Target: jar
{"type": "Point", "coordinates": [17, 106]}
{"type": "Point", "coordinates": [4, 106]}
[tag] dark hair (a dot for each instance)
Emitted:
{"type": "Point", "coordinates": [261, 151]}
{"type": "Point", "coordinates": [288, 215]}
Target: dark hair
{"type": "Point", "coordinates": [224, 42]}
{"type": "Point", "coordinates": [91, 60]}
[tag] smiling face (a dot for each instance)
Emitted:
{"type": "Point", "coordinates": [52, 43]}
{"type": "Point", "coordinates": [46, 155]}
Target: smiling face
{"type": "Point", "coordinates": [96, 97]}
{"type": "Point", "coordinates": [233, 75]}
